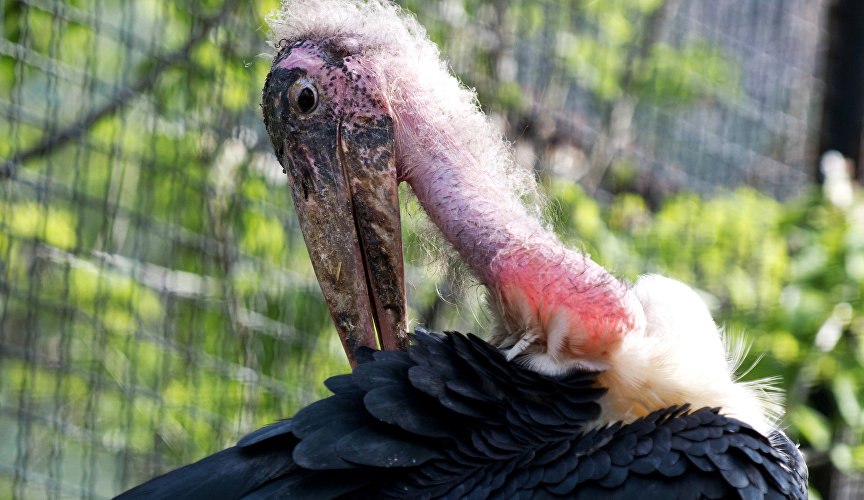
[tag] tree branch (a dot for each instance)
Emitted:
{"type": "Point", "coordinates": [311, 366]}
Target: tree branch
{"type": "Point", "coordinates": [118, 101]}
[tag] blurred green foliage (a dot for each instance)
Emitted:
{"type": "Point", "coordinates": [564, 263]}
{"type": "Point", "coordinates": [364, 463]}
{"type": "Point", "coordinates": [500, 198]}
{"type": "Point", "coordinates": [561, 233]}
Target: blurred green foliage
{"type": "Point", "coordinates": [156, 297]}
{"type": "Point", "coordinates": [611, 48]}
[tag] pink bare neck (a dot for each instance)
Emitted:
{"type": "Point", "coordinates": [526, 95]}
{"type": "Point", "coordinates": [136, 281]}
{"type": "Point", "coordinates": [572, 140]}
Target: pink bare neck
{"type": "Point", "coordinates": [568, 300]}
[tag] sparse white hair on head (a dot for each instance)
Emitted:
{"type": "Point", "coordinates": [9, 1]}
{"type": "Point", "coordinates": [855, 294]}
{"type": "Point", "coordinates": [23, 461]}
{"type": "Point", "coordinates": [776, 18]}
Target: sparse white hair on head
{"type": "Point", "coordinates": [375, 25]}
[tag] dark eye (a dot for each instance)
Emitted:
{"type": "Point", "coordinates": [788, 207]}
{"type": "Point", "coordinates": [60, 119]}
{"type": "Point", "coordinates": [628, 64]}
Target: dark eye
{"type": "Point", "coordinates": [304, 96]}
{"type": "Point", "coordinates": [307, 99]}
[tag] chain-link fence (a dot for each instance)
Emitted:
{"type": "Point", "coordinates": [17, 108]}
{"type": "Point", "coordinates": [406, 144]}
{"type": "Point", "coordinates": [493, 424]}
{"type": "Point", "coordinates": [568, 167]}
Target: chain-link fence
{"type": "Point", "coordinates": [156, 299]}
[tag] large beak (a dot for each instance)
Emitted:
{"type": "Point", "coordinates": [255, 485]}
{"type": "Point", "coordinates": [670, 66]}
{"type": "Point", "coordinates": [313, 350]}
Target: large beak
{"type": "Point", "coordinates": [345, 191]}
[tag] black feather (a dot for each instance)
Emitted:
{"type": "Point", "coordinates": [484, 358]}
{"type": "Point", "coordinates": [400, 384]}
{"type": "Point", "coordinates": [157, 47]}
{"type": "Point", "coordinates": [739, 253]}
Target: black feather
{"type": "Point", "coordinates": [378, 446]}
{"type": "Point", "coordinates": [412, 412]}
{"type": "Point", "coordinates": [341, 383]}
{"type": "Point", "coordinates": [264, 433]}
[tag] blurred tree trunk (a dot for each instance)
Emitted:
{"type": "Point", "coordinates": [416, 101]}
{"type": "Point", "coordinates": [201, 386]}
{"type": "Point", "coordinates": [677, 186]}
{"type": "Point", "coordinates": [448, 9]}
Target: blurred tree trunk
{"type": "Point", "coordinates": [843, 106]}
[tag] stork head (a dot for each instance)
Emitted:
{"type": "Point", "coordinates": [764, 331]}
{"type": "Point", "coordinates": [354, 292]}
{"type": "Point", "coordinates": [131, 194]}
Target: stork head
{"type": "Point", "coordinates": [334, 138]}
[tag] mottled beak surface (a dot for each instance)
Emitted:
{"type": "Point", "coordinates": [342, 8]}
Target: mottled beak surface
{"type": "Point", "coordinates": [341, 167]}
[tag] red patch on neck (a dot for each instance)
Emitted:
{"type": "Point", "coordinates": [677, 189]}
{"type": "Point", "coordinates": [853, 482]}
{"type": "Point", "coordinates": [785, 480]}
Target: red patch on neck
{"type": "Point", "coordinates": [576, 307]}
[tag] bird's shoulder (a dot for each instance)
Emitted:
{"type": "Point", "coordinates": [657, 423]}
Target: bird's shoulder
{"type": "Point", "coordinates": [452, 418]}
{"type": "Point", "coordinates": [448, 390]}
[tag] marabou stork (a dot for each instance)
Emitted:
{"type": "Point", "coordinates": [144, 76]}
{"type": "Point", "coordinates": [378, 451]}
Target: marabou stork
{"type": "Point", "coordinates": [591, 388]}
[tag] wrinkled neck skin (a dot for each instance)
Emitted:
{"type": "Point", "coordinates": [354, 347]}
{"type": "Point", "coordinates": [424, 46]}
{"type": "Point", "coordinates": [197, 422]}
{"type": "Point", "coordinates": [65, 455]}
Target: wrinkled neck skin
{"type": "Point", "coordinates": [557, 300]}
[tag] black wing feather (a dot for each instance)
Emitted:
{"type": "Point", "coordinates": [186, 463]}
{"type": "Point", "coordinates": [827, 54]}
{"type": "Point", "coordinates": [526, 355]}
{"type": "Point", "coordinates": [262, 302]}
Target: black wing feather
{"type": "Point", "coordinates": [453, 419]}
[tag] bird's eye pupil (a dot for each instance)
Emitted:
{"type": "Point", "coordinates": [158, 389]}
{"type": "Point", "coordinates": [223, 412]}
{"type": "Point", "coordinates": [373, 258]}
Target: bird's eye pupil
{"type": "Point", "coordinates": [306, 100]}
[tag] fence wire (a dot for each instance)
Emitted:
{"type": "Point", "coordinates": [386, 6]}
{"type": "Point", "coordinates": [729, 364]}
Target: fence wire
{"type": "Point", "coordinates": [156, 300]}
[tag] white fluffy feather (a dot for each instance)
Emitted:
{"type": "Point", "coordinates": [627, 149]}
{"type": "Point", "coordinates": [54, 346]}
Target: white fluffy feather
{"type": "Point", "coordinates": [680, 357]}
{"type": "Point", "coordinates": [683, 357]}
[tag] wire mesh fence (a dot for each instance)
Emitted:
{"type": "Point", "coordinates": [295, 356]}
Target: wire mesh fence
{"type": "Point", "coordinates": [680, 95]}
{"type": "Point", "coordinates": [156, 299]}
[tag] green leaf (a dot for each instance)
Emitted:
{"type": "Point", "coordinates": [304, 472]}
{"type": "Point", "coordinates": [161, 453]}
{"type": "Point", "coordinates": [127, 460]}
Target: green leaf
{"type": "Point", "coordinates": [813, 426]}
